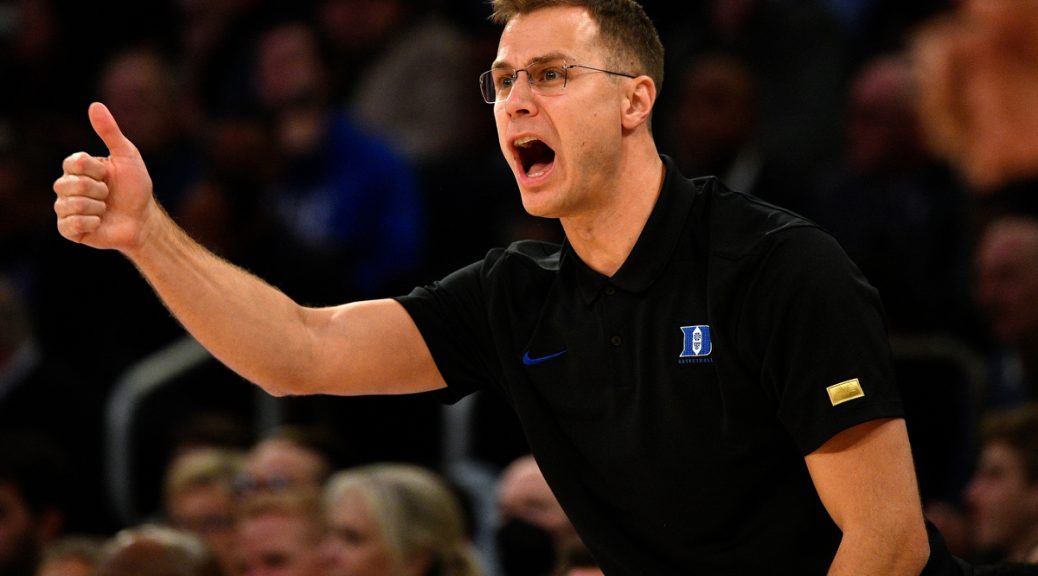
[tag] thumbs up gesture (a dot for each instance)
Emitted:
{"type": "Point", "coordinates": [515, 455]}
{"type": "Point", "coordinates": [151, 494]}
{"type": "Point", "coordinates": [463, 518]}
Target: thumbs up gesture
{"type": "Point", "coordinates": [105, 202]}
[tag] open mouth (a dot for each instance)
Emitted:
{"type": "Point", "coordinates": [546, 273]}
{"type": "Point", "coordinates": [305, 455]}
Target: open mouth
{"type": "Point", "coordinates": [535, 156]}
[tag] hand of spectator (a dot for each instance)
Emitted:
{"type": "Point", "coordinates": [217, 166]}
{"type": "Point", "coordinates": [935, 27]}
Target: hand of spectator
{"type": "Point", "coordinates": [105, 202]}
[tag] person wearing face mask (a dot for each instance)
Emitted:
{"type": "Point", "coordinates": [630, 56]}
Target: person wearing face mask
{"type": "Point", "coordinates": [532, 528]}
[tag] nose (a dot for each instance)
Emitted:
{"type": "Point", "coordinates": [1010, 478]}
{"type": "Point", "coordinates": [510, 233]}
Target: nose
{"type": "Point", "coordinates": [520, 97]}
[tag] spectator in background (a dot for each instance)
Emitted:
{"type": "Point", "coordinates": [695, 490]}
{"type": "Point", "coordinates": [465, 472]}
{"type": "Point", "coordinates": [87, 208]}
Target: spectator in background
{"type": "Point", "coordinates": [34, 480]}
{"type": "Point", "coordinates": [1007, 290]}
{"type": "Point", "coordinates": [897, 211]}
{"type": "Point", "coordinates": [279, 535]}
{"type": "Point", "coordinates": [296, 458]}
{"type": "Point", "coordinates": [390, 519]}
{"type": "Point", "coordinates": [71, 556]}
{"type": "Point", "coordinates": [349, 202]}
{"type": "Point", "coordinates": [978, 73]}
{"type": "Point", "coordinates": [379, 47]}
{"type": "Point", "coordinates": [715, 128]}
{"type": "Point", "coordinates": [156, 551]}
{"type": "Point", "coordinates": [199, 497]}
{"type": "Point", "coordinates": [141, 85]}
{"type": "Point", "coordinates": [534, 529]}
{"type": "Point", "coordinates": [1003, 494]}
{"type": "Point", "coordinates": [213, 41]}
{"type": "Point", "coordinates": [798, 56]}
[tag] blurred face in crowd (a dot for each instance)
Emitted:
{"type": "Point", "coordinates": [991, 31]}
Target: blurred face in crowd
{"type": "Point", "coordinates": [354, 545]}
{"type": "Point", "coordinates": [137, 89]}
{"type": "Point", "coordinates": [279, 544]}
{"type": "Point", "coordinates": [207, 511]}
{"type": "Point", "coordinates": [1007, 279]}
{"type": "Point", "coordinates": [715, 114]}
{"type": "Point", "coordinates": [565, 148]}
{"type": "Point", "coordinates": [278, 464]}
{"type": "Point", "coordinates": [882, 127]}
{"type": "Point", "coordinates": [1002, 500]}
{"type": "Point", "coordinates": [524, 493]}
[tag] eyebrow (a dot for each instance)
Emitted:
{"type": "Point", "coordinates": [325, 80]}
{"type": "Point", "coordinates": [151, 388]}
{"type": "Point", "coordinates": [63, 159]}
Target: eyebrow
{"type": "Point", "coordinates": [549, 57]}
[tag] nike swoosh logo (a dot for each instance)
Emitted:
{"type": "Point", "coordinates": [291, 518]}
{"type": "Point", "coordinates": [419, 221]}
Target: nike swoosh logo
{"type": "Point", "coordinates": [527, 360]}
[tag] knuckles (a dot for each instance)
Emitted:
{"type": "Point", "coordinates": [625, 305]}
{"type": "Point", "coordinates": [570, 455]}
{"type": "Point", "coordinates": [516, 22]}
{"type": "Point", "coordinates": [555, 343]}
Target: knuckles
{"type": "Point", "coordinates": [76, 185]}
{"type": "Point", "coordinates": [76, 227]}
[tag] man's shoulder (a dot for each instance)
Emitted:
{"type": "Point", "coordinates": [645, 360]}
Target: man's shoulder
{"type": "Point", "coordinates": [738, 224]}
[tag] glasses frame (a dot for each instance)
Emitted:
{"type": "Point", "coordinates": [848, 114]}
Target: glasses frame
{"type": "Point", "coordinates": [565, 68]}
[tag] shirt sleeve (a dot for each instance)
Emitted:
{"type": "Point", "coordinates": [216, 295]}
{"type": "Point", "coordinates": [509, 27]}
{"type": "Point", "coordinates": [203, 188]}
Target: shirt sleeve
{"type": "Point", "coordinates": [451, 315]}
{"type": "Point", "coordinates": [821, 327]}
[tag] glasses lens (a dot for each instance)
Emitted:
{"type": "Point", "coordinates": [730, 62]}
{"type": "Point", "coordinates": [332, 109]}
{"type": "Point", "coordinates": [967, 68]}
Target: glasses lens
{"type": "Point", "coordinates": [548, 78]}
{"type": "Point", "coordinates": [486, 86]}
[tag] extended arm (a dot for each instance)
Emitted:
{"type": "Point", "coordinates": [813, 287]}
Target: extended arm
{"type": "Point", "coordinates": [866, 480]}
{"type": "Point", "coordinates": [359, 348]}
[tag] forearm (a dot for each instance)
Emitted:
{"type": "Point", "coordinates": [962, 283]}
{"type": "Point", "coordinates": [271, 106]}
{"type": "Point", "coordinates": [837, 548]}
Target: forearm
{"type": "Point", "coordinates": [247, 324]}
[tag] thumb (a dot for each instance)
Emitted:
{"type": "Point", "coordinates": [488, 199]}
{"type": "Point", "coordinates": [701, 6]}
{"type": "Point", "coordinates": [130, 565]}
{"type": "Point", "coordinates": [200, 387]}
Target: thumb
{"type": "Point", "coordinates": [104, 124]}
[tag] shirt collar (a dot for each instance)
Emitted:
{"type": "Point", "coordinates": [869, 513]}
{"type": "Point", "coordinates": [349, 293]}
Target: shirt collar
{"type": "Point", "coordinates": [653, 249]}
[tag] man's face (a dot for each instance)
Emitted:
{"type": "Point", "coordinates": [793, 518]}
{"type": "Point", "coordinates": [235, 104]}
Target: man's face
{"type": "Point", "coordinates": [576, 134]}
{"type": "Point", "coordinates": [206, 510]}
{"type": "Point", "coordinates": [1001, 501]}
{"type": "Point", "coordinates": [278, 464]}
{"type": "Point", "coordinates": [278, 544]}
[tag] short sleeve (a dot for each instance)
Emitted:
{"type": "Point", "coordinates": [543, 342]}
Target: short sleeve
{"type": "Point", "coordinates": [451, 315]}
{"type": "Point", "coordinates": [821, 328]}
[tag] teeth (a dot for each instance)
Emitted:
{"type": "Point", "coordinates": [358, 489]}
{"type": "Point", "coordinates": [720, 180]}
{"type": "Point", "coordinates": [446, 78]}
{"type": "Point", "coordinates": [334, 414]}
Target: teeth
{"type": "Point", "coordinates": [525, 141]}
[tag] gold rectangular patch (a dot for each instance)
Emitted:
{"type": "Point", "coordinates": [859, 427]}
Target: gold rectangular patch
{"type": "Point", "coordinates": [845, 391]}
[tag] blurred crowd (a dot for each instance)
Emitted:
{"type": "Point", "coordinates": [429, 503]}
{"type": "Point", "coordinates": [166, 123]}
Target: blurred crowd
{"type": "Point", "coordinates": [340, 150]}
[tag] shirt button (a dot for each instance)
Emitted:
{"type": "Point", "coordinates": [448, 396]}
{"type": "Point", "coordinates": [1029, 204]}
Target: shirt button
{"type": "Point", "coordinates": [616, 340]}
{"type": "Point", "coordinates": [610, 290]}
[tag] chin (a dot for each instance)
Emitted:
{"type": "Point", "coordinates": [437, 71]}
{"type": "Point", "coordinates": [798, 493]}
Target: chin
{"type": "Point", "coordinates": [539, 204]}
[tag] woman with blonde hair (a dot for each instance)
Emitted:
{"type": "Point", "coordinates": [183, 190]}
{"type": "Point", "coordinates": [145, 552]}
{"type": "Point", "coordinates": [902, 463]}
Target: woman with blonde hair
{"type": "Point", "coordinates": [395, 520]}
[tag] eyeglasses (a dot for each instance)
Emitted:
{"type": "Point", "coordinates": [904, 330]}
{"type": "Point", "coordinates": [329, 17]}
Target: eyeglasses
{"type": "Point", "coordinates": [548, 78]}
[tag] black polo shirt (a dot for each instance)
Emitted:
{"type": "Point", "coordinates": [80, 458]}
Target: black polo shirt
{"type": "Point", "coordinates": [671, 405]}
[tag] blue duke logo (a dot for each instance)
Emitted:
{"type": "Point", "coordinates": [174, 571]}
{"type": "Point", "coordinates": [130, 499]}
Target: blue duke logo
{"type": "Point", "coordinates": [697, 341]}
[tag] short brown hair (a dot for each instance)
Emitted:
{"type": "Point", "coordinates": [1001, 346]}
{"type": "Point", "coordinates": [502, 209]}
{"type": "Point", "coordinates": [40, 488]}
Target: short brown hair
{"type": "Point", "coordinates": [625, 28]}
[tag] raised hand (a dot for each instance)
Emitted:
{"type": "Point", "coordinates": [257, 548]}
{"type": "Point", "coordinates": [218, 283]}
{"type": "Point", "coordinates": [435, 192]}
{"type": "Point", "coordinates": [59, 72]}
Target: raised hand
{"type": "Point", "coordinates": [105, 202]}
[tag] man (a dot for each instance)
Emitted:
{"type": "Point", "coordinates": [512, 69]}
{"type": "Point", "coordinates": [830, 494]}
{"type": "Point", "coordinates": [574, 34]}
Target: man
{"type": "Point", "coordinates": [532, 526]}
{"type": "Point", "coordinates": [1007, 291]}
{"type": "Point", "coordinates": [703, 379]}
{"type": "Point", "coordinates": [1003, 494]}
{"type": "Point", "coordinates": [280, 535]}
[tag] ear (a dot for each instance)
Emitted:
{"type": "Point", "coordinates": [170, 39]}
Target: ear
{"type": "Point", "coordinates": [638, 102]}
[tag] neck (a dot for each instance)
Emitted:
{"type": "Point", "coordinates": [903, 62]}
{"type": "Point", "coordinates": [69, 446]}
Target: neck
{"type": "Point", "coordinates": [604, 237]}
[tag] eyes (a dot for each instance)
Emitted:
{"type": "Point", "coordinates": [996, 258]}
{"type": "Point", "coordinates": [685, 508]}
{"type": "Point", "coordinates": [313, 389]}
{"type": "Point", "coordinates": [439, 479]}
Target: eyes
{"type": "Point", "coordinates": [542, 76]}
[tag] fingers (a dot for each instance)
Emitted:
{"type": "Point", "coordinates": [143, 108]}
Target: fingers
{"type": "Point", "coordinates": [104, 124]}
{"type": "Point", "coordinates": [76, 227]}
{"type": "Point", "coordinates": [71, 185]}
{"type": "Point", "coordinates": [83, 164]}
{"type": "Point", "coordinates": [66, 206]}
